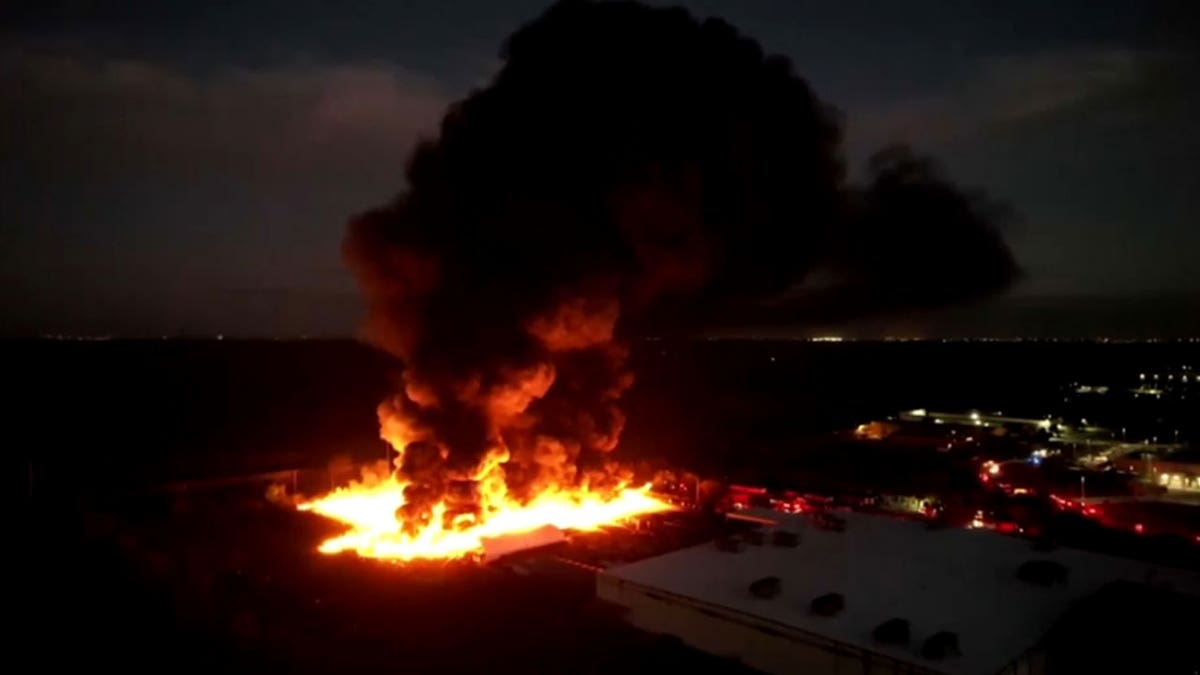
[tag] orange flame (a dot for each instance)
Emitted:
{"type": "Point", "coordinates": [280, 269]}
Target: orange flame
{"type": "Point", "coordinates": [370, 509]}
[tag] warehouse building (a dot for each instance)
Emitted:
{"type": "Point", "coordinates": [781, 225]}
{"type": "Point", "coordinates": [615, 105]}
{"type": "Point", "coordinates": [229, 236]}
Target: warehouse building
{"type": "Point", "coordinates": [859, 593]}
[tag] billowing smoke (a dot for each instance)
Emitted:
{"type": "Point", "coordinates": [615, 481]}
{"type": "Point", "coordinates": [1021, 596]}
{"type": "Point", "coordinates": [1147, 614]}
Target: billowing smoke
{"type": "Point", "coordinates": [627, 168]}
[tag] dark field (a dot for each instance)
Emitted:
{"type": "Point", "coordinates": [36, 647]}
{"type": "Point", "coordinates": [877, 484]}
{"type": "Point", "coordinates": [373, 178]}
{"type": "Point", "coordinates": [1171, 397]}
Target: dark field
{"type": "Point", "coordinates": [225, 582]}
{"type": "Point", "coordinates": [94, 415]}
{"type": "Point", "coordinates": [116, 567]}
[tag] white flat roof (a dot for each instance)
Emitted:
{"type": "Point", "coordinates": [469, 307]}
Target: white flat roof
{"type": "Point", "coordinates": [950, 579]}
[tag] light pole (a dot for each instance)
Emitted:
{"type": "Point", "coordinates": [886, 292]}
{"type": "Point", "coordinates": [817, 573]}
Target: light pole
{"type": "Point", "coordinates": [1082, 489]}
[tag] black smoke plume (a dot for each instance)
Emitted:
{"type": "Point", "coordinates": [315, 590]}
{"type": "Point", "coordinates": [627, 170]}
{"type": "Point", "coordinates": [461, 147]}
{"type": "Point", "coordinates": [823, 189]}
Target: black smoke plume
{"type": "Point", "coordinates": [628, 168]}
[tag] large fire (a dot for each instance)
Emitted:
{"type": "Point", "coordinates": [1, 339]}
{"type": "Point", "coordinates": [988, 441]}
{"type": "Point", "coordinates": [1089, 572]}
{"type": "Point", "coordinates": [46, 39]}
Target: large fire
{"type": "Point", "coordinates": [371, 509]}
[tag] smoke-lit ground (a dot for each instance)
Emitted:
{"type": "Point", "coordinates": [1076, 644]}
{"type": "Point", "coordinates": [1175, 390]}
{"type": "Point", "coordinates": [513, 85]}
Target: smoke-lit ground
{"type": "Point", "coordinates": [117, 560]}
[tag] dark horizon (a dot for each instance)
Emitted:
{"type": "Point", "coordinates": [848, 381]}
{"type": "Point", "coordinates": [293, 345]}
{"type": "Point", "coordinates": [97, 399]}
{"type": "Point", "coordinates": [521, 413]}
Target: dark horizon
{"type": "Point", "coordinates": [1135, 318]}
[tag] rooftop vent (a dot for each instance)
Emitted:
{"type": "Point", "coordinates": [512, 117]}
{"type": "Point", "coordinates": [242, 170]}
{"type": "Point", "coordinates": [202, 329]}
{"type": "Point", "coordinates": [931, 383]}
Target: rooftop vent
{"type": "Point", "coordinates": [785, 538]}
{"type": "Point", "coordinates": [1042, 572]}
{"type": "Point", "coordinates": [940, 645]}
{"type": "Point", "coordinates": [894, 631]}
{"type": "Point", "coordinates": [766, 587]}
{"type": "Point", "coordinates": [829, 604]}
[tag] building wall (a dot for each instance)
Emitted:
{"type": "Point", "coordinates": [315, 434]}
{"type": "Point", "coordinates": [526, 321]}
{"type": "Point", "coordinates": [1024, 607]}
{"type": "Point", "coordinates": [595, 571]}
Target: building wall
{"type": "Point", "coordinates": [1179, 476]}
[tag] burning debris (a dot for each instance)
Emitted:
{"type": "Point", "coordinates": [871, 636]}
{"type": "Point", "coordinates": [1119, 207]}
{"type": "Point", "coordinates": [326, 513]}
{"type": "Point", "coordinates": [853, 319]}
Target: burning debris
{"type": "Point", "coordinates": [375, 511]}
{"type": "Point", "coordinates": [628, 169]}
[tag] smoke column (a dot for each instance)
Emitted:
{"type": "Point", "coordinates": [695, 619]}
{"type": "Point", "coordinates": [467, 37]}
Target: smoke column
{"type": "Point", "coordinates": [628, 168]}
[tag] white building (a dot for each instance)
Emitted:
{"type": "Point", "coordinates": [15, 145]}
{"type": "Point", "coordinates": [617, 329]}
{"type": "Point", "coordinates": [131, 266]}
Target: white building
{"type": "Point", "coordinates": [961, 582]}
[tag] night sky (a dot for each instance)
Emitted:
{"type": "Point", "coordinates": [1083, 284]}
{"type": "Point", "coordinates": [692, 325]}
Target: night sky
{"type": "Point", "coordinates": [188, 168]}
